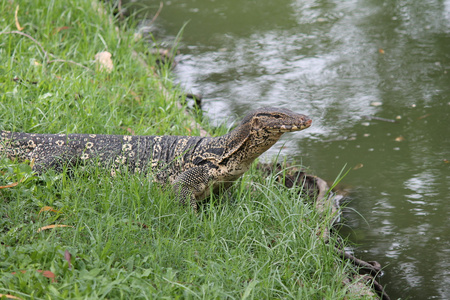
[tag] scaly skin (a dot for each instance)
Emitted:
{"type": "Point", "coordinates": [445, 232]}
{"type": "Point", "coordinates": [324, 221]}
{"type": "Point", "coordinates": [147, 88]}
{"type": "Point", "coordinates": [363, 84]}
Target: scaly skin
{"type": "Point", "coordinates": [194, 166]}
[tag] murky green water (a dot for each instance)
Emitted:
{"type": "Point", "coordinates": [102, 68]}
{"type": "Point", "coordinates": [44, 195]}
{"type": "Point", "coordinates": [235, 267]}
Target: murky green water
{"type": "Point", "coordinates": [339, 61]}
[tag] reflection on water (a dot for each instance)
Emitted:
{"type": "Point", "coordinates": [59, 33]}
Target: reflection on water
{"type": "Point", "coordinates": [339, 61]}
{"type": "Point", "coordinates": [423, 187]}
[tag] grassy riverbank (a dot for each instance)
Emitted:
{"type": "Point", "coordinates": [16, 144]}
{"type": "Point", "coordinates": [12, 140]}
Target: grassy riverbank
{"type": "Point", "coordinates": [125, 237]}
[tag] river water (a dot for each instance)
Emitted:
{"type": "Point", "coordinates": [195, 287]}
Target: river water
{"type": "Point", "coordinates": [339, 62]}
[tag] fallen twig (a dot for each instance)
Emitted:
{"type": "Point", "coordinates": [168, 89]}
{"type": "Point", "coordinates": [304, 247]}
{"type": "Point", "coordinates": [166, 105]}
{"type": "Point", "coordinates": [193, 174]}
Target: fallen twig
{"type": "Point", "coordinates": [374, 269]}
{"type": "Point", "coordinates": [158, 12]}
{"type": "Point", "coordinates": [46, 54]}
{"type": "Point", "coordinates": [20, 28]}
{"type": "Point", "coordinates": [70, 62]}
{"type": "Point", "coordinates": [380, 119]}
{"type": "Point", "coordinates": [119, 7]}
{"type": "Point", "coordinates": [380, 290]}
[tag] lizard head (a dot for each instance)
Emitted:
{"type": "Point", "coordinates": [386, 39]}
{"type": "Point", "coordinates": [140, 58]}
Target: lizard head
{"type": "Point", "coordinates": [276, 120]}
{"type": "Point", "coordinates": [260, 129]}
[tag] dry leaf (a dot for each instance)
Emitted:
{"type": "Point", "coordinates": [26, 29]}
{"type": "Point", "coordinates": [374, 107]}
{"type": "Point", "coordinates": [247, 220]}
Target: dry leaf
{"type": "Point", "coordinates": [20, 28]}
{"type": "Point", "coordinates": [16, 183]}
{"type": "Point", "coordinates": [423, 117]}
{"type": "Point", "coordinates": [104, 61]}
{"type": "Point", "coordinates": [145, 226]}
{"type": "Point", "coordinates": [376, 103]}
{"type": "Point", "coordinates": [62, 28]}
{"type": "Point", "coordinates": [53, 226]}
{"type": "Point", "coordinates": [68, 256]}
{"type": "Point", "coordinates": [131, 131]}
{"type": "Point", "coordinates": [358, 166]}
{"type": "Point", "coordinates": [135, 95]}
{"type": "Point", "coordinates": [32, 162]}
{"type": "Point", "coordinates": [142, 225]}
{"type": "Point", "coordinates": [48, 208]}
{"type": "Point", "coordinates": [48, 274]}
{"type": "Point", "coordinates": [9, 185]}
{"type": "Point", "coordinates": [9, 296]}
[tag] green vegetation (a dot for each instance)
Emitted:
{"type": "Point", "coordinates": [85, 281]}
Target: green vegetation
{"type": "Point", "coordinates": [126, 237]}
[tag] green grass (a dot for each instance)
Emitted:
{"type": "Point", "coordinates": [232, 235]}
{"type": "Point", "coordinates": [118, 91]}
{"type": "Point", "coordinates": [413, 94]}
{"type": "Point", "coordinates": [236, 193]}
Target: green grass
{"type": "Point", "coordinates": [129, 237]}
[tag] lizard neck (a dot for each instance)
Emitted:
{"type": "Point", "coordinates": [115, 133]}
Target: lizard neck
{"type": "Point", "coordinates": [245, 143]}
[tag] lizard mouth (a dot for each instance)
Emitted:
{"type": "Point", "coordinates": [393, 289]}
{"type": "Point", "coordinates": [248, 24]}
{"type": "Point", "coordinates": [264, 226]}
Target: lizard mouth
{"type": "Point", "coordinates": [308, 123]}
{"type": "Point", "coordinates": [294, 127]}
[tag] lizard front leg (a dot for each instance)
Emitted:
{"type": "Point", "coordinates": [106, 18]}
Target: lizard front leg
{"type": "Point", "coordinates": [192, 185]}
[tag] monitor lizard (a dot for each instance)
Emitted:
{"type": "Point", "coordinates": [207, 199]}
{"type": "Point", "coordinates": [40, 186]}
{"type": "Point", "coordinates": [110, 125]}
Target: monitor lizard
{"type": "Point", "coordinates": [193, 165]}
